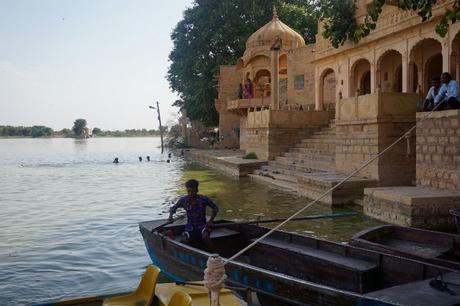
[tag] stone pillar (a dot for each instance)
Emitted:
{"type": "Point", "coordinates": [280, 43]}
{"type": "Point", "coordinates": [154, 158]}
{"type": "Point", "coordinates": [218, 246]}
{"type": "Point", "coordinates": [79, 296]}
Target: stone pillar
{"type": "Point", "coordinates": [318, 92]}
{"type": "Point", "coordinates": [457, 62]}
{"type": "Point", "coordinates": [446, 56]}
{"type": "Point", "coordinates": [373, 77]}
{"type": "Point", "coordinates": [275, 103]}
{"type": "Point", "coordinates": [405, 73]}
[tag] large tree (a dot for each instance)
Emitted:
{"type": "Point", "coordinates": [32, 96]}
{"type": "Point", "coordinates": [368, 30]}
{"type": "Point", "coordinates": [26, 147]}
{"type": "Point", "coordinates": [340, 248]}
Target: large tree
{"type": "Point", "coordinates": [214, 33]}
{"type": "Point", "coordinates": [78, 126]}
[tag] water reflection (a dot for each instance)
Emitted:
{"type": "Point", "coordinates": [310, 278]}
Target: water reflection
{"type": "Point", "coordinates": [69, 216]}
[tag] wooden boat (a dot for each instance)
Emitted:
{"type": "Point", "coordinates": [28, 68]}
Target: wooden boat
{"type": "Point", "coordinates": [438, 248]}
{"type": "Point", "coordinates": [291, 269]}
{"type": "Point", "coordinates": [149, 293]}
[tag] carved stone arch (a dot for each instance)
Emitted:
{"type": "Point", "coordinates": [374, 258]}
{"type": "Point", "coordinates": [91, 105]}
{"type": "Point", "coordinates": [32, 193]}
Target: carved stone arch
{"type": "Point", "coordinates": [427, 54]}
{"type": "Point", "coordinates": [327, 88]}
{"type": "Point", "coordinates": [360, 78]}
{"type": "Point", "coordinates": [387, 73]}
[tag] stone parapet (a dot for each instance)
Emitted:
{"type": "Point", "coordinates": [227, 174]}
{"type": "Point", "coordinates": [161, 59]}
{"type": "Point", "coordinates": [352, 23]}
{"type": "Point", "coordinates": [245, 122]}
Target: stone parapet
{"type": "Point", "coordinates": [438, 150]}
{"type": "Point", "coordinates": [368, 124]}
{"type": "Point", "coordinates": [412, 206]}
{"type": "Point", "coordinates": [268, 133]}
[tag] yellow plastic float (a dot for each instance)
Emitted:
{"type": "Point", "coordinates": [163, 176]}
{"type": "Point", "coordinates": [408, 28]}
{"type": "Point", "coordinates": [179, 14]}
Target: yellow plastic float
{"type": "Point", "coordinates": [149, 293]}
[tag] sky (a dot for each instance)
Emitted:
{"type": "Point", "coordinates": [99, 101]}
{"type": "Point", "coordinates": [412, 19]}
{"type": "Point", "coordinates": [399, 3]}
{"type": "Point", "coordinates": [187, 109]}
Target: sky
{"type": "Point", "coordinates": [101, 60]}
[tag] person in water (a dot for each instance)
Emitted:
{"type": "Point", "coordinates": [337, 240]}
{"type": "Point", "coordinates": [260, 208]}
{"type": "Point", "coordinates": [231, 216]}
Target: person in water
{"type": "Point", "coordinates": [140, 158]}
{"type": "Point", "coordinates": [148, 158]}
{"type": "Point", "coordinates": [115, 161]}
{"type": "Point", "coordinates": [197, 229]}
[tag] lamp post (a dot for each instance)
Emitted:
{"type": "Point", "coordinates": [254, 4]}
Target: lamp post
{"type": "Point", "coordinates": [159, 121]}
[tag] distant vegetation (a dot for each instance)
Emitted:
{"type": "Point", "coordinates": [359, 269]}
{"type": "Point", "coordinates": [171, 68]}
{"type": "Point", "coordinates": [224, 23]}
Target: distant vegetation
{"type": "Point", "coordinates": [37, 131]}
{"type": "Point", "coordinates": [24, 131]}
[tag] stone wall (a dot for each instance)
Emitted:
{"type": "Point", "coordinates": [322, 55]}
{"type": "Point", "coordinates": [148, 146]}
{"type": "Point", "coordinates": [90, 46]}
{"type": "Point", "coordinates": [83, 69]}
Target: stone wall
{"type": "Point", "coordinates": [229, 79]}
{"type": "Point", "coordinates": [268, 133]}
{"type": "Point", "coordinates": [368, 124]}
{"type": "Point", "coordinates": [438, 150]}
{"type": "Point", "coordinates": [301, 77]}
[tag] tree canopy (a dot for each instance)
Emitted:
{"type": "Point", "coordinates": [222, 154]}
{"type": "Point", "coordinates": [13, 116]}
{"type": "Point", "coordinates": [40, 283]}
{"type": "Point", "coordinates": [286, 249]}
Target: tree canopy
{"type": "Point", "coordinates": [78, 126]}
{"type": "Point", "coordinates": [340, 24]}
{"type": "Point", "coordinates": [214, 33]}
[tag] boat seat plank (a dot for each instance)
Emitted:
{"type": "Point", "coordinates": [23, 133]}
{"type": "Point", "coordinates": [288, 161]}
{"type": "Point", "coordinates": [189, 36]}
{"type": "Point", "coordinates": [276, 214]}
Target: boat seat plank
{"type": "Point", "coordinates": [421, 293]}
{"type": "Point", "coordinates": [336, 259]}
{"type": "Point", "coordinates": [222, 232]}
{"type": "Point", "coordinates": [417, 248]}
{"type": "Point", "coordinates": [315, 265]}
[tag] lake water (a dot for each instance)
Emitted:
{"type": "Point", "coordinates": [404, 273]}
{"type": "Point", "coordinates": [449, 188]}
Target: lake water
{"type": "Point", "coordinates": [69, 217]}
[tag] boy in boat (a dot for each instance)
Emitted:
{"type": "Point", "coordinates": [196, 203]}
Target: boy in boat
{"type": "Point", "coordinates": [197, 229]}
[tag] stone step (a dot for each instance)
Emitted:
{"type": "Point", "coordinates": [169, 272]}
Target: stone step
{"type": "Point", "coordinates": [305, 159]}
{"type": "Point", "coordinates": [313, 185]}
{"type": "Point", "coordinates": [284, 185]}
{"type": "Point", "coordinates": [306, 166]}
{"type": "Point", "coordinates": [319, 140]}
{"type": "Point", "coordinates": [315, 146]}
{"type": "Point", "coordinates": [283, 175]}
{"type": "Point", "coordinates": [274, 169]}
{"type": "Point", "coordinates": [301, 158]}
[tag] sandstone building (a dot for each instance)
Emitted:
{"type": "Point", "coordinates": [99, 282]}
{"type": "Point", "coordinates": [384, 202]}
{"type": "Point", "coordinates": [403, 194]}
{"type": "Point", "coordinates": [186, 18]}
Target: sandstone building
{"type": "Point", "coordinates": [317, 113]}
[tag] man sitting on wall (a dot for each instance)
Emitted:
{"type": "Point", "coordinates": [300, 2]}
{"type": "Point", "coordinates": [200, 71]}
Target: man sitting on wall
{"type": "Point", "coordinates": [449, 93]}
{"type": "Point", "coordinates": [428, 104]}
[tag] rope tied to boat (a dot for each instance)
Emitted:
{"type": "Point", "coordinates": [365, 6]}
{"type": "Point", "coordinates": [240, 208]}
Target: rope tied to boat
{"type": "Point", "coordinates": [214, 277]}
{"type": "Point", "coordinates": [406, 136]}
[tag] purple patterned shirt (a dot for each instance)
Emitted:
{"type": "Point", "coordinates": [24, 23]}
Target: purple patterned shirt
{"type": "Point", "coordinates": [196, 214]}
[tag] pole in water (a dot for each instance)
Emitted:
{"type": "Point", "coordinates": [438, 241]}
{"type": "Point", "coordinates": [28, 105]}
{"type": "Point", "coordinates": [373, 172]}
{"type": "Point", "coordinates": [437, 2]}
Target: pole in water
{"type": "Point", "coordinates": [159, 121]}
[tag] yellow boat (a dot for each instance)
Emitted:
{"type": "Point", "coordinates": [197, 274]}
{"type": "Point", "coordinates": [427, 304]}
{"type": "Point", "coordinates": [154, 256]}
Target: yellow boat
{"type": "Point", "coordinates": [149, 293]}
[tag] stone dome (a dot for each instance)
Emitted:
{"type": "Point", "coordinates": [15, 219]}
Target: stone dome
{"type": "Point", "coordinates": [263, 39]}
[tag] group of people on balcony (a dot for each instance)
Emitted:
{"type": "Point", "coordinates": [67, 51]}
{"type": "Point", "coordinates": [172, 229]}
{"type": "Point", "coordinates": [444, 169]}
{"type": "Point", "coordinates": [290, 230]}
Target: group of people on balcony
{"type": "Point", "coordinates": [246, 91]}
{"type": "Point", "coordinates": [444, 94]}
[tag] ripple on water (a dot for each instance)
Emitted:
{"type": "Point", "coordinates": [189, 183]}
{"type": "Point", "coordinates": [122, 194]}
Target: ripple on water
{"type": "Point", "coordinates": [69, 217]}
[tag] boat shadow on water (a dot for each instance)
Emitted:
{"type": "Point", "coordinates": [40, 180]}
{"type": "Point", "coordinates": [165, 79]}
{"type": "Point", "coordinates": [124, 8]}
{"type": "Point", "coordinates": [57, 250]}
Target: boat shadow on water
{"type": "Point", "coordinates": [292, 269]}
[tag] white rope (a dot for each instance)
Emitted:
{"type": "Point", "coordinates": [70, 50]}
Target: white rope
{"type": "Point", "coordinates": [364, 165]}
{"type": "Point", "coordinates": [214, 274]}
{"type": "Point", "coordinates": [214, 277]}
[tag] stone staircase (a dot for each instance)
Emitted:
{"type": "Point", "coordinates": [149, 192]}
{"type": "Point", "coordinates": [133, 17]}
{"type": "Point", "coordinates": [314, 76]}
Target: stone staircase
{"type": "Point", "coordinates": [309, 169]}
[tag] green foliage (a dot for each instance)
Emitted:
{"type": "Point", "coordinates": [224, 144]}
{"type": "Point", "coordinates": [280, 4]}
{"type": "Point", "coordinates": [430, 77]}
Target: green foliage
{"type": "Point", "coordinates": [126, 133]}
{"type": "Point", "coordinates": [250, 155]}
{"type": "Point", "coordinates": [21, 131]}
{"type": "Point", "coordinates": [340, 24]}
{"type": "Point", "coordinates": [338, 20]}
{"type": "Point", "coordinates": [78, 126]}
{"type": "Point", "coordinates": [40, 131]}
{"type": "Point", "coordinates": [96, 131]}
{"type": "Point", "coordinates": [214, 33]}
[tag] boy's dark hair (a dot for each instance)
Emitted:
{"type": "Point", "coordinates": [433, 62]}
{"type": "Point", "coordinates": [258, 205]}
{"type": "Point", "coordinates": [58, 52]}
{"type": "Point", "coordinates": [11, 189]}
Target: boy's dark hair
{"type": "Point", "coordinates": [447, 75]}
{"type": "Point", "coordinates": [192, 184]}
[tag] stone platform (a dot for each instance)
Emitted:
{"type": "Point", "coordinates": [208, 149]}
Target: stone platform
{"type": "Point", "coordinates": [313, 185]}
{"type": "Point", "coordinates": [228, 161]}
{"type": "Point", "coordinates": [415, 206]}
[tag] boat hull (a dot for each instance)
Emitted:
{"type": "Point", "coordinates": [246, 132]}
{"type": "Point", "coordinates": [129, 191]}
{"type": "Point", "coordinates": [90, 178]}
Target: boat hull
{"type": "Point", "coordinates": [437, 248]}
{"type": "Point", "coordinates": [184, 263]}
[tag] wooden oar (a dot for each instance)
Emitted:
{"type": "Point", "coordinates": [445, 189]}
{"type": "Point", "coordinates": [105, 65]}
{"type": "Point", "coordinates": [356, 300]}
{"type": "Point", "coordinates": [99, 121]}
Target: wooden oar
{"type": "Point", "coordinates": [167, 223]}
{"type": "Point", "coordinates": [312, 217]}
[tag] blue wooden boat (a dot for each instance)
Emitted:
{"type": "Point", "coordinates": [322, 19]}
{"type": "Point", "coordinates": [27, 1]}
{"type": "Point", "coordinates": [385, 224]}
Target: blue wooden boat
{"type": "Point", "coordinates": [292, 269]}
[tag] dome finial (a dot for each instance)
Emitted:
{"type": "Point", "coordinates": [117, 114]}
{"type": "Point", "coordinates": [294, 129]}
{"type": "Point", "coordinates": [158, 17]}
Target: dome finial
{"type": "Point", "coordinates": [275, 13]}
